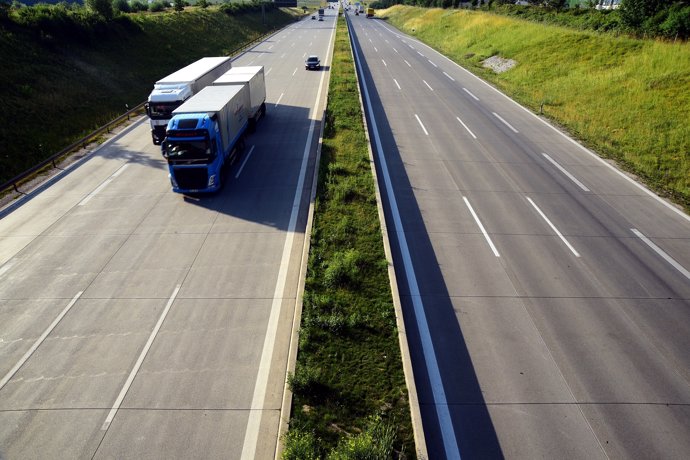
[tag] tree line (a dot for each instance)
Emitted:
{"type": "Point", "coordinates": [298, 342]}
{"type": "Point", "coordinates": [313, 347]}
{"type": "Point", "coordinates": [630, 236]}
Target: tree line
{"type": "Point", "coordinates": [669, 19]}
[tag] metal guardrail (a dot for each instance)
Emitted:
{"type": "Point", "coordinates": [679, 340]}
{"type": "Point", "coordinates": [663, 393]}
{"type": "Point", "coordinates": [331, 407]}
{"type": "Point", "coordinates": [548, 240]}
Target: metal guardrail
{"type": "Point", "coordinates": [16, 181]}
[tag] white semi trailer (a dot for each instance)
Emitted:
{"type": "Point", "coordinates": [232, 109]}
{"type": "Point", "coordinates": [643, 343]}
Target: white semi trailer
{"type": "Point", "coordinates": [253, 77]}
{"type": "Point", "coordinates": [170, 92]}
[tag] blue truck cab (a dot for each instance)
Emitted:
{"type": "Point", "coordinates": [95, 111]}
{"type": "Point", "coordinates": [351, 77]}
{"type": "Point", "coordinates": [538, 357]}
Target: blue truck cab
{"type": "Point", "coordinates": [204, 136]}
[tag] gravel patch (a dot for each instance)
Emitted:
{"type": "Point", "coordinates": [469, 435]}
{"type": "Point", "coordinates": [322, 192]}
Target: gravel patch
{"type": "Point", "coordinates": [499, 64]}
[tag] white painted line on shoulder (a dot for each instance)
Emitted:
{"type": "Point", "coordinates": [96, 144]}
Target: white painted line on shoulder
{"type": "Point", "coordinates": [468, 129]}
{"type": "Point", "coordinates": [505, 122]}
{"type": "Point", "coordinates": [396, 84]}
{"type": "Point", "coordinates": [660, 252]}
{"type": "Point", "coordinates": [563, 170]}
{"type": "Point", "coordinates": [39, 341]}
{"type": "Point", "coordinates": [408, 64]}
{"type": "Point", "coordinates": [421, 124]}
{"type": "Point", "coordinates": [239, 171]}
{"type": "Point", "coordinates": [432, 62]}
{"type": "Point", "coordinates": [257, 410]}
{"type": "Point", "coordinates": [553, 227]}
{"type": "Point", "coordinates": [481, 227]}
{"type": "Point", "coordinates": [384, 62]}
{"type": "Point", "coordinates": [450, 443]}
{"type": "Point", "coordinates": [428, 85]}
{"type": "Point", "coordinates": [451, 78]}
{"type": "Point", "coordinates": [279, 99]}
{"type": "Point", "coordinates": [103, 185]}
{"type": "Point", "coordinates": [470, 93]}
{"type": "Point", "coordinates": [140, 360]}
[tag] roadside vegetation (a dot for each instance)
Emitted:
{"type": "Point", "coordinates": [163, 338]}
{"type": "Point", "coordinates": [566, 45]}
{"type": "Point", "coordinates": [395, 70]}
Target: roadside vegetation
{"type": "Point", "coordinates": [625, 98]}
{"type": "Point", "coordinates": [669, 19]}
{"type": "Point", "coordinates": [349, 393]}
{"type": "Point", "coordinates": [69, 69]}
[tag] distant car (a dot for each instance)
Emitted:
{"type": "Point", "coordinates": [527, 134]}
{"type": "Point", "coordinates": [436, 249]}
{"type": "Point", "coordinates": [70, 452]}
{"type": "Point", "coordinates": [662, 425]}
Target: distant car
{"type": "Point", "coordinates": [312, 62]}
{"type": "Point", "coordinates": [313, 17]}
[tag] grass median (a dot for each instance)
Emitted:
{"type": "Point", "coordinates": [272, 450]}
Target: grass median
{"type": "Point", "coordinates": [349, 393]}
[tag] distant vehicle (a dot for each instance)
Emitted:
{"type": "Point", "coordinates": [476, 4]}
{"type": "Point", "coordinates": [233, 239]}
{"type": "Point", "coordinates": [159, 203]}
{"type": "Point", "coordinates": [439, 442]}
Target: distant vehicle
{"type": "Point", "coordinates": [608, 4]}
{"type": "Point", "coordinates": [204, 136]}
{"type": "Point", "coordinates": [321, 13]}
{"type": "Point", "coordinates": [170, 92]}
{"type": "Point", "coordinates": [312, 62]}
{"type": "Point", "coordinates": [313, 16]}
{"type": "Point", "coordinates": [370, 12]}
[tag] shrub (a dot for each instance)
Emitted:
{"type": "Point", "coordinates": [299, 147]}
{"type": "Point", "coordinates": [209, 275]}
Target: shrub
{"type": "Point", "coordinates": [178, 5]}
{"type": "Point", "coordinates": [158, 6]}
{"type": "Point", "coordinates": [103, 8]}
{"type": "Point", "coordinates": [139, 5]}
{"type": "Point", "coordinates": [122, 6]}
{"type": "Point", "coordinates": [300, 445]}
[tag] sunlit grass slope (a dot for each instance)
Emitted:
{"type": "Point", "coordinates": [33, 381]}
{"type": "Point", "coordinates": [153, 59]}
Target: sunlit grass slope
{"type": "Point", "coordinates": [627, 99]}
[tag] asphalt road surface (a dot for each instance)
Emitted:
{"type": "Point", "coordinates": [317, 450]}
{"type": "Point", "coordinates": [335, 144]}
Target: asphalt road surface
{"type": "Point", "coordinates": [140, 323]}
{"type": "Point", "coordinates": [546, 295]}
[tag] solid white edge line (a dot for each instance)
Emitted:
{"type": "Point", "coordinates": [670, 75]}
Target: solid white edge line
{"type": "Point", "coordinates": [661, 252]}
{"type": "Point", "coordinates": [251, 436]}
{"type": "Point", "coordinates": [465, 126]}
{"type": "Point", "coordinates": [421, 124]}
{"type": "Point", "coordinates": [505, 122]}
{"type": "Point", "coordinates": [428, 85]}
{"type": "Point", "coordinates": [562, 134]}
{"type": "Point", "coordinates": [450, 443]}
{"type": "Point", "coordinates": [451, 78]}
{"type": "Point", "coordinates": [470, 93]}
{"type": "Point", "coordinates": [39, 341]}
{"type": "Point", "coordinates": [246, 158]}
{"type": "Point", "coordinates": [481, 227]}
{"type": "Point", "coordinates": [103, 185]}
{"type": "Point", "coordinates": [397, 84]}
{"type": "Point", "coordinates": [553, 227]}
{"type": "Point", "coordinates": [564, 171]}
{"type": "Point", "coordinates": [140, 360]}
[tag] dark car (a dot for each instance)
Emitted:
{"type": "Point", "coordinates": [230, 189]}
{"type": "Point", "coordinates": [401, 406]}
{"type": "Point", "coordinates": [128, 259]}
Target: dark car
{"type": "Point", "coordinates": [312, 62]}
{"type": "Point", "coordinates": [313, 17]}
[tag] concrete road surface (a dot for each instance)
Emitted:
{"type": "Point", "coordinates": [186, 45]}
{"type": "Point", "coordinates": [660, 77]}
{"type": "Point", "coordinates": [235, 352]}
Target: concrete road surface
{"type": "Point", "coordinates": [546, 295]}
{"type": "Point", "coordinates": [140, 323]}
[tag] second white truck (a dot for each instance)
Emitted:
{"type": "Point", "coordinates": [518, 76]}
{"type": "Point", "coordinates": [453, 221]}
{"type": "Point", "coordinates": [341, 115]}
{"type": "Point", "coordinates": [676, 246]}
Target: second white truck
{"type": "Point", "coordinates": [253, 77]}
{"type": "Point", "coordinates": [170, 92]}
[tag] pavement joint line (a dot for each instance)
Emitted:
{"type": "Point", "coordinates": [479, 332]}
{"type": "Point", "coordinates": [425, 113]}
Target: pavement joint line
{"type": "Point", "coordinates": [251, 436]}
{"type": "Point", "coordinates": [553, 227]}
{"type": "Point", "coordinates": [449, 440]}
{"type": "Point", "coordinates": [246, 158]}
{"type": "Point", "coordinates": [662, 253]}
{"type": "Point", "coordinates": [505, 122]}
{"type": "Point", "coordinates": [39, 341]}
{"type": "Point", "coordinates": [140, 360]}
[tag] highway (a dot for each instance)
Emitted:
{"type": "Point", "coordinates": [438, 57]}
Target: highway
{"type": "Point", "coordinates": [140, 323]}
{"type": "Point", "coordinates": [546, 295]}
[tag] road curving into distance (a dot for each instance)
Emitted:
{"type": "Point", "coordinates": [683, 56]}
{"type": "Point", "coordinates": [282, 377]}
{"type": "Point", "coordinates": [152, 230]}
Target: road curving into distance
{"type": "Point", "coordinates": [545, 293]}
{"type": "Point", "coordinates": [139, 323]}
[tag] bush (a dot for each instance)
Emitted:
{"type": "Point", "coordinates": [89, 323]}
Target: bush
{"type": "Point", "coordinates": [138, 5]}
{"type": "Point", "coordinates": [178, 5]}
{"type": "Point", "coordinates": [122, 6]}
{"type": "Point", "coordinates": [202, 4]}
{"type": "Point", "coordinates": [300, 445]}
{"type": "Point", "coordinates": [103, 8]}
{"type": "Point", "coordinates": [158, 6]}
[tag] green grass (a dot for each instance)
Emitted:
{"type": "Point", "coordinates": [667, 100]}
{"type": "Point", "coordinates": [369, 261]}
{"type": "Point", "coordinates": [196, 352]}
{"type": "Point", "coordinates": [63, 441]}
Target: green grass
{"type": "Point", "coordinates": [350, 397]}
{"type": "Point", "coordinates": [56, 87]}
{"type": "Point", "coordinates": [627, 99]}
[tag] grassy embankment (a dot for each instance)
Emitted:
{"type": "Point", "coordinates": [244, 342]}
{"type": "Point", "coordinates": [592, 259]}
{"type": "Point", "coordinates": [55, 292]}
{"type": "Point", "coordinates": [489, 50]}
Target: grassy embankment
{"type": "Point", "coordinates": [627, 99]}
{"type": "Point", "coordinates": [55, 87]}
{"type": "Point", "coordinates": [349, 389]}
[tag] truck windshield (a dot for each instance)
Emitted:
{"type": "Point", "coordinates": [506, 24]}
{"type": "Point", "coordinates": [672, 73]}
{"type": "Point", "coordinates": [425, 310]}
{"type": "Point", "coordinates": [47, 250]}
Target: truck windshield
{"type": "Point", "coordinates": [162, 110]}
{"type": "Point", "coordinates": [184, 151]}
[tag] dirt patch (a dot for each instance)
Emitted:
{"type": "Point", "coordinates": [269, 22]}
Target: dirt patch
{"type": "Point", "coordinates": [499, 64]}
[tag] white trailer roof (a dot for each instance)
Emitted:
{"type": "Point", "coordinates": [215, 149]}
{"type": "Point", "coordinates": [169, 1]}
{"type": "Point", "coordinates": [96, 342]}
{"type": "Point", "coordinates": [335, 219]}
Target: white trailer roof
{"type": "Point", "coordinates": [239, 74]}
{"type": "Point", "coordinates": [194, 70]}
{"type": "Point", "coordinates": [209, 99]}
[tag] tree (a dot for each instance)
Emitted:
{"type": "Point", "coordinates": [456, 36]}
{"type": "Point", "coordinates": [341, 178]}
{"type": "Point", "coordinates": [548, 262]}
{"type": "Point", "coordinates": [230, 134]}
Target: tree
{"type": "Point", "coordinates": [179, 5]}
{"type": "Point", "coordinates": [101, 7]}
{"type": "Point", "coordinates": [635, 12]}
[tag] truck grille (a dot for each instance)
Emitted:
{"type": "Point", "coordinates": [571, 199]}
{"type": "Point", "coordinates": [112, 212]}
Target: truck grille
{"type": "Point", "coordinates": [191, 178]}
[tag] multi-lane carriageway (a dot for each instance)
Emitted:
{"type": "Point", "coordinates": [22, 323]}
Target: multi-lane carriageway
{"type": "Point", "coordinates": [137, 323]}
{"type": "Point", "coordinates": [545, 294]}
